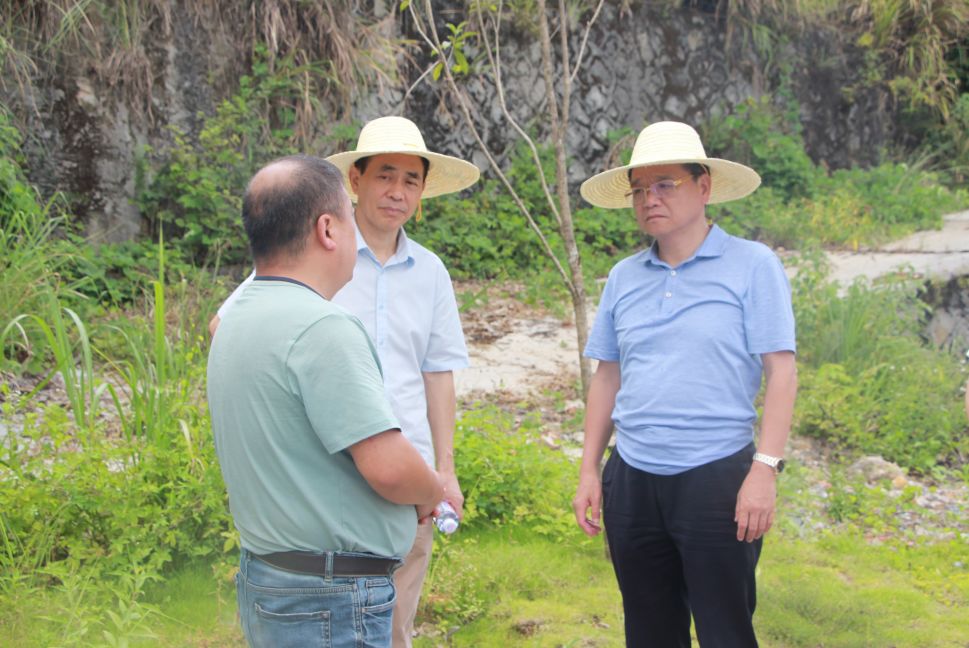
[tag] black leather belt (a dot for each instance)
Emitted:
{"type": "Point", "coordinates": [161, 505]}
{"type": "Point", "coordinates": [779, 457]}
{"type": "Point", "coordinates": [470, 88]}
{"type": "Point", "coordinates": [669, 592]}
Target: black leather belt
{"type": "Point", "coordinates": [343, 566]}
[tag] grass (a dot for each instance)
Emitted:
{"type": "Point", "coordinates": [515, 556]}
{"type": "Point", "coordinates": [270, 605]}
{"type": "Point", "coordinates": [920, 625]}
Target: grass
{"type": "Point", "coordinates": [196, 608]}
{"type": "Point", "coordinates": [530, 591]}
{"type": "Point", "coordinates": [841, 591]}
{"type": "Point", "coordinates": [834, 589]}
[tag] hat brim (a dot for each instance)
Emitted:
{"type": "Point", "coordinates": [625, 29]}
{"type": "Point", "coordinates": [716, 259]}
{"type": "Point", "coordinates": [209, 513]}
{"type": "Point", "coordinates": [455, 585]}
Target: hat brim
{"type": "Point", "coordinates": [446, 174]}
{"type": "Point", "coordinates": [729, 181]}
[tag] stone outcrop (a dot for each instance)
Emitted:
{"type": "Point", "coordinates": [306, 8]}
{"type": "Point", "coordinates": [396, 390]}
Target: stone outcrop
{"type": "Point", "coordinates": [645, 62]}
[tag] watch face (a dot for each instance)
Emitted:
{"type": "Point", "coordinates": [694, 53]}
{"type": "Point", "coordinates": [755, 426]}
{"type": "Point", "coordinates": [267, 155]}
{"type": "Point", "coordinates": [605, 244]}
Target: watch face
{"type": "Point", "coordinates": [780, 465]}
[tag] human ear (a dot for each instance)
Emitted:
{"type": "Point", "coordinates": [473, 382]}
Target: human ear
{"type": "Point", "coordinates": [324, 225]}
{"type": "Point", "coordinates": [353, 175]}
{"type": "Point", "coordinates": [706, 187]}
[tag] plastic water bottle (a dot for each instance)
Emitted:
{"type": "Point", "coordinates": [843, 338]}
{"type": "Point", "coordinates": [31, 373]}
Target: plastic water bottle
{"type": "Point", "coordinates": [447, 521]}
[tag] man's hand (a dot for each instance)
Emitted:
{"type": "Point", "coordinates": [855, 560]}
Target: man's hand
{"type": "Point", "coordinates": [425, 513]}
{"type": "Point", "coordinates": [587, 504]}
{"type": "Point", "coordinates": [452, 492]}
{"type": "Point", "coordinates": [755, 502]}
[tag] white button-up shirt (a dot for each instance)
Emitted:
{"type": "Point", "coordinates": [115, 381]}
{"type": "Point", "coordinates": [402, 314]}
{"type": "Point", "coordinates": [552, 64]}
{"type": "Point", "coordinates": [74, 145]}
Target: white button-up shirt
{"type": "Point", "coordinates": [408, 308]}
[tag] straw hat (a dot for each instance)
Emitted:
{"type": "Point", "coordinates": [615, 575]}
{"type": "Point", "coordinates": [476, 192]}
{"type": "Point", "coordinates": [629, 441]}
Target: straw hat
{"type": "Point", "coordinates": [670, 143]}
{"type": "Point", "coordinates": [399, 135]}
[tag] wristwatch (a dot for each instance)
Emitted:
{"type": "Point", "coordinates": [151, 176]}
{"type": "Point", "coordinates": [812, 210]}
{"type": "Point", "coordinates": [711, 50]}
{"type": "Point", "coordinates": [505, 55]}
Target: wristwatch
{"type": "Point", "coordinates": [777, 463]}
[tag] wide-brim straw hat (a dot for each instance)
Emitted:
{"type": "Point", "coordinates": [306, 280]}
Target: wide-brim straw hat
{"type": "Point", "coordinates": [399, 135]}
{"type": "Point", "coordinates": [670, 143]}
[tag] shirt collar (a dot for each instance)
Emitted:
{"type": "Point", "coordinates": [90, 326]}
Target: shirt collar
{"type": "Point", "coordinates": [713, 246]}
{"type": "Point", "coordinates": [402, 255]}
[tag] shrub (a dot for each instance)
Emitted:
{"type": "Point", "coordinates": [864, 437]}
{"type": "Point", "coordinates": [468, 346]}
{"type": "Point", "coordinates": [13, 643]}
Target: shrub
{"type": "Point", "coordinates": [868, 382]}
{"type": "Point", "coordinates": [757, 135]}
{"type": "Point", "coordinates": [119, 274]}
{"type": "Point", "coordinates": [196, 194]}
{"type": "Point", "coordinates": [509, 476]}
{"type": "Point", "coordinates": [800, 203]}
{"type": "Point", "coordinates": [901, 198]}
{"type": "Point", "coordinates": [108, 504]}
{"type": "Point", "coordinates": [17, 196]}
{"type": "Point", "coordinates": [482, 234]}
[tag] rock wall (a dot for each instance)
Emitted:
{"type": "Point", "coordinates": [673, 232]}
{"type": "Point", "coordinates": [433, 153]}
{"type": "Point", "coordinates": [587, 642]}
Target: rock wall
{"type": "Point", "coordinates": [644, 63]}
{"type": "Point", "coordinates": [947, 320]}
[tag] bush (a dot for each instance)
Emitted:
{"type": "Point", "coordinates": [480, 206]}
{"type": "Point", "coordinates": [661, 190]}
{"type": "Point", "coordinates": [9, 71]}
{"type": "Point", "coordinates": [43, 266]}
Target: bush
{"type": "Point", "coordinates": [17, 196]}
{"type": "Point", "coordinates": [196, 194]}
{"type": "Point", "coordinates": [118, 274]}
{"type": "Point", "coordinates": [108, 504]}
{"type": "Point", "coordinates": [757, 135]}
{"type": "Point", "coordinates": [799, 203]}
{"type": "Point", "coordinates": [510, 477]}
{"type": "Point", "coordinates": [868, 383]}
{"type": "Point", "coordinates": [901, 199]}
{"type": "Point", "coordinates": [482, 234]}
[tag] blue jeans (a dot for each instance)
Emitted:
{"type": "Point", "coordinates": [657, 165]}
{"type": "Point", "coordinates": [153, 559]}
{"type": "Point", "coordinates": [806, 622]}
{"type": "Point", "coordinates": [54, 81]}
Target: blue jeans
{"type": "Point", "coordinates": [280, 608]}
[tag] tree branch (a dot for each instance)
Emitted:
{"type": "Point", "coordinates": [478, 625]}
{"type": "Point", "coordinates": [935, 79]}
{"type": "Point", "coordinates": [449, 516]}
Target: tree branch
{"type": "Point", "coordinates": [494, 59]}
{"type": "Point", "coordinates": [585, 39]}
{"type": "Point", "coordinates": [469, 122]}
{"type": "Point", "coordinates": [566, 75]}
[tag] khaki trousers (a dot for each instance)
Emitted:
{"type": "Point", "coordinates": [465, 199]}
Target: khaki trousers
{"type": "Point", "coordinates": [409, 580]}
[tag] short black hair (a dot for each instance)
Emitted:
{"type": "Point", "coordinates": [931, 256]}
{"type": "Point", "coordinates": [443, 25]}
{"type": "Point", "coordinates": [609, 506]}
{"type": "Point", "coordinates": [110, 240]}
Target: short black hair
{"type": "Point", "coordinates": [278, 214]}
{"type": "Point", "coordinates": [361, 164]}
{"type": "Point", "coordinates": [694, 169]}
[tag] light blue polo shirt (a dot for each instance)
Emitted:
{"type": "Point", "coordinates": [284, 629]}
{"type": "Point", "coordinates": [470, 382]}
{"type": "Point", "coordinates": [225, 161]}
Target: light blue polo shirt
{"type": "Point", "coordinates": [408, 308]}
{"type": "Point", "coordinates": [688, 341]}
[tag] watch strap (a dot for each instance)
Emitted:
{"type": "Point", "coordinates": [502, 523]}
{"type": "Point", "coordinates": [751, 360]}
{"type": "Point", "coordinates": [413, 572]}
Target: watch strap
{"type": "Point", "coordinates": [773, 462]}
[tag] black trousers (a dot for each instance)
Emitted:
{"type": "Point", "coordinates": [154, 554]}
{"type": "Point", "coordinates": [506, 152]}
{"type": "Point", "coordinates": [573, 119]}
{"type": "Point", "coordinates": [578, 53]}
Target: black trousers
{"type": "Point", "coordinates": [675, 551]}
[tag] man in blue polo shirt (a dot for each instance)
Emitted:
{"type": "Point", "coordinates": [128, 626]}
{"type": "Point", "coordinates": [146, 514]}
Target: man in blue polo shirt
{"type": "Point", "coordinates": [684, 332]}
{"type": "Point", "coordinates": [402, 293]}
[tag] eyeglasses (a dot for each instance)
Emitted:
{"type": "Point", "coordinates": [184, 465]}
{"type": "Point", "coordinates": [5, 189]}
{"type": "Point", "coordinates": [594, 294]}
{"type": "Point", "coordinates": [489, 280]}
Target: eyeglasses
{"type": "Point", "coordinates": [662, 189]}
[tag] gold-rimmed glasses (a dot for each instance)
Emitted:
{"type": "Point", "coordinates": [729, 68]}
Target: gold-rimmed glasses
{"type": "Point", "coordinates": [662, 189]}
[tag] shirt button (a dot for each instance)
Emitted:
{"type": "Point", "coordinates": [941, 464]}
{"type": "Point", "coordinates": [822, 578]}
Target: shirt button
{"type": "Point", "coordinates": [672, 273]}
{"type": "Point", "coordinates": [669, 294]}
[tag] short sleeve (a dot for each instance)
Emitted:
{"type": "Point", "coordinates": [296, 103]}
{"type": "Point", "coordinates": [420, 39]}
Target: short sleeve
{"type": "Point", "coordinates": [602, 343]}
{"type": "Point", "coordinates": [227, 304]}
{"type": "Point", "coordinates": [446, 349]}
{"type": "Point", "coordinates": [337, 375]}
{"type": "Point", "coordinates": [768, 314]}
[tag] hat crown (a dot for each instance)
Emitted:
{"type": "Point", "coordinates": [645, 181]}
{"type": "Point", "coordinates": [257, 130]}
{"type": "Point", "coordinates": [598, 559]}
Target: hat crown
{"type": "Point", "coordinates": [391, 134]}
{"type": "Point", "coordinates": [665, 141]}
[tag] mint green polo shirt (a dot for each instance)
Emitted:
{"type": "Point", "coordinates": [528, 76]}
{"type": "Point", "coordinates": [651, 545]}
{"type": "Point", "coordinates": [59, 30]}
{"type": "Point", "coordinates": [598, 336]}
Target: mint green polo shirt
{"type": "Point", "coordinates": [293, 381]}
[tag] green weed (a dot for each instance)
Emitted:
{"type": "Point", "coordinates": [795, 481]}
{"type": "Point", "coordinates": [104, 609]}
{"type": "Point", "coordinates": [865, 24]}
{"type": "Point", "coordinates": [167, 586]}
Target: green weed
{"type": "Point", "coordinates": [868, 383]}
{"type": "Point", "coordinates": [73, 361]}
{"type": "Point", "coordinates": [509, 476]}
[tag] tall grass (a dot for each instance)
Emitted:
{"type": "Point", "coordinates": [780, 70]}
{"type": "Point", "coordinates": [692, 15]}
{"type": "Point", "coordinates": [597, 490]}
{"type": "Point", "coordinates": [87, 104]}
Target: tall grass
{"type": "Point", "coordinates": [73, 360]}
{"type": "Point", "coordinates": [158, 370]}
{"type": "Point", "coordinates": [910, 39]}
{"type": "Point", "coordinates": [868, 382]}
{"type": "Point", "coordinates": [847, 324]}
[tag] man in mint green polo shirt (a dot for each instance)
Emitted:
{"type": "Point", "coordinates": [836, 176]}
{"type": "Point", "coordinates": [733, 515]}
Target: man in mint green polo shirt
{"type": "Point", "coordinates": [323, 488]}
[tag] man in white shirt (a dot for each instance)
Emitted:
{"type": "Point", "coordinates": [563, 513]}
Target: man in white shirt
{"type": "Point", "coordinates": [402, 294]}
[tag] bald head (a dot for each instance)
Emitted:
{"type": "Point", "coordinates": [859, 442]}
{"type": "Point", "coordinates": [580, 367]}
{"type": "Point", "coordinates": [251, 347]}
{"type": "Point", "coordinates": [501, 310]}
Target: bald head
{"type": "Point", "coordinates": [283, 201]}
